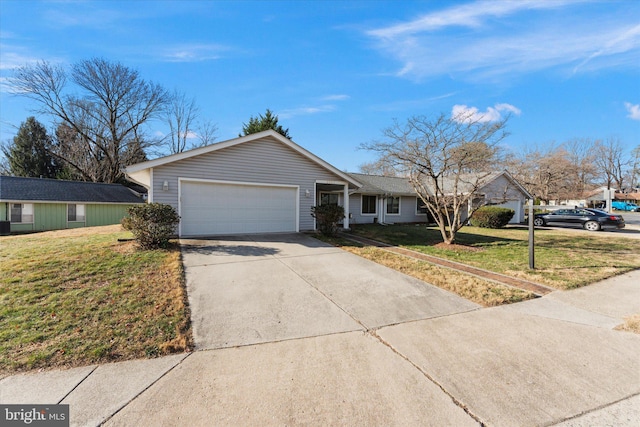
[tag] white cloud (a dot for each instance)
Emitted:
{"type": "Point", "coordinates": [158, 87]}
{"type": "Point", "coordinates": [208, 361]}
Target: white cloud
{"type": "Point", "coordinates": [465, 114]}
{"type": "Point", "coordinates": [467, 15]}
{"type": "Point", "coordinates": [191, 135]}
{"type": "Point", "coordinates": [407, 104]}
{"type": "Point", "coordinates": [305, 111]}
{"type": "Point", "coordinates": [489, 39]}
{"type": "Point", "coordinates": [193, 52]}
{"type": "Point", "coordinates": [10, 58]}
{"type": "Point", "coordinates": [508, 107]}
{"type": "Point", "coordinates": [633, 109]}
{"type": "Point", "coordinates": [338, 97]}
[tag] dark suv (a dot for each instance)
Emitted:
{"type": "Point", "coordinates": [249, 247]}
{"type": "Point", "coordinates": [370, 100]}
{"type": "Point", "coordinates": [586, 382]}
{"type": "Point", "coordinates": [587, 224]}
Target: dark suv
{"type": "Point", "coordinates": [589, 219]}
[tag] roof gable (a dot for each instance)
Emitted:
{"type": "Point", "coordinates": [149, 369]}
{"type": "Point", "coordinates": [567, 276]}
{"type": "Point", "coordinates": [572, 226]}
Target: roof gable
{"type": "Point", "coordinates": [18, 189]}
{"type": "Point", "coordinates": [139, 169]}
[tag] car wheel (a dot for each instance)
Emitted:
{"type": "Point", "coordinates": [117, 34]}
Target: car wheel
{"type": "Point", "coordinates": [538, 222]}
{"type": "Point", "coordinates": [592, 226]}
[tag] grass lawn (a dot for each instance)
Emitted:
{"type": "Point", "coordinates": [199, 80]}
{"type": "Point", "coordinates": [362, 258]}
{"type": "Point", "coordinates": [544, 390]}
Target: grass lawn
{"type": "Point", "coordinates": [564, 259]}
{"type": "Point", "coordinates": [77, 297]}
{"type": "Point", "coordinates": [478, 290]}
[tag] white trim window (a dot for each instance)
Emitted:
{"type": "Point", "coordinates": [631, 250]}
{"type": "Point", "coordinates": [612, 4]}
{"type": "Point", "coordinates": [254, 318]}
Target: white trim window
{"type": "Point", "coordinates": [393, 205]}
{"type": "Point", "coordinates": [75, 213]}
{"type": "Point", "coordinates": [421, 208]}
{"type": "Point", "coordinates": [369, 205]}
{"type": "Point", "coordinates": [22, 213]}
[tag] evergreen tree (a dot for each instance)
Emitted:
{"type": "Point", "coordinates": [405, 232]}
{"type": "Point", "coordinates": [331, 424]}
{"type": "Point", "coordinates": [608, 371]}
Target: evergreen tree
{"type": "Point", "coordinates": [262, 123]}
{"type": "Point", "coordinates": [29, 154]}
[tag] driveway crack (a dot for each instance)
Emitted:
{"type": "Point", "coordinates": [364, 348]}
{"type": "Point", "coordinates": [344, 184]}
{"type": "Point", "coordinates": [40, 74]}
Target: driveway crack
{"type": "Point", "coordinates": [456, 401]}
{"type": "Point", "coordinates": [358, 321]}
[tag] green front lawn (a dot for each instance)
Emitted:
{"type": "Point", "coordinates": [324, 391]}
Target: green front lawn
{"type": "Point", "coordinates": [76, 297]}
{"type": "Point", "coordinates": [564, 259]}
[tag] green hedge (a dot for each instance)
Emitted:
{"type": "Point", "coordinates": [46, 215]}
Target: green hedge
{"type": "Point", "coordinates": [492, 217]}
{"type": "Point", "coordinates": [327, 218]}
{"type": "Point", "coordinates": [152, 224]}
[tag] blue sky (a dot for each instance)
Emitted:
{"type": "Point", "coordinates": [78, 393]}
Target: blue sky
{"type": "Point", "coordinates": [337, 72]}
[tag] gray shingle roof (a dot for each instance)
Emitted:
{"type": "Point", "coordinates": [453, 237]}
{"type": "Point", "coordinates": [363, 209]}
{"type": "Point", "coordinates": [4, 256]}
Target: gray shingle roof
{"type": "Point", "coordinates": [376, 184]}
{"type": "Point", "coordinates": [17, 189]}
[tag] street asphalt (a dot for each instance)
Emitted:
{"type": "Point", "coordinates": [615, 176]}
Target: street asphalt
{"type": "Point", "coordinates": [290, 331]}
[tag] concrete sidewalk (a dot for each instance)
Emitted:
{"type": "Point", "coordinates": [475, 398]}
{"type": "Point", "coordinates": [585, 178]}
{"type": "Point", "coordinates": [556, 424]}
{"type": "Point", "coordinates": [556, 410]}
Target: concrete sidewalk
{"type": "Point", "coordinates": [552, 360]}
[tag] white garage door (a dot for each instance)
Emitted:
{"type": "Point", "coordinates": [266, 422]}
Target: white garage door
{"type": "Point", "coordinates": [517, 207]}
{"type": "Point", "coordinates": [216, 209]}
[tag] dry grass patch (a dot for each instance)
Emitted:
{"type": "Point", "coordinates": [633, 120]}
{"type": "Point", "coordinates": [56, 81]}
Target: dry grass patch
{"type": "Point", "coordinates": [77, 297]}
{"type": "Point", "coordinates": [564, 259]}
{"type": "Point", "coordinates": [474, 289]}
{"type": "Point", "coordinates": [631, 324]}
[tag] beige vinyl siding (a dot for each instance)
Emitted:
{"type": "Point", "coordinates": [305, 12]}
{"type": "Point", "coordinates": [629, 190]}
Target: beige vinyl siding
{"type": "Point", "coordinates": [502, 191]}
{"type": "Point", "coordinates": [407, 211]}
{"type": "Point", "coordinates": [264, 161]}
{"type": "Point", "coordinates": [355, 209]}
{"type": "Point", "coordinates": [495, 190]}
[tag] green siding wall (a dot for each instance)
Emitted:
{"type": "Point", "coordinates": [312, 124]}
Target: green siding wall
{"type": "Point", "coordinates": [53, 216]}
{"type": "Point", "coordinates": [49, 216]}
{"type": "Point", "coordinates": [105, 214]}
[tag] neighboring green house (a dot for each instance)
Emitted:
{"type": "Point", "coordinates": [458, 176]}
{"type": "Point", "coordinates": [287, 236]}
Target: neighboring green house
{"type": "Point", "coordinates": [35, 204]}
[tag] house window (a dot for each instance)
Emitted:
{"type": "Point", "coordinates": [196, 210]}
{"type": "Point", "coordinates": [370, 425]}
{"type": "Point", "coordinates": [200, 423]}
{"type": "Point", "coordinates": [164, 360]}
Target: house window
{"type": "Point", "coordinates": [393, 205]}
{"type": "Point", "coordinates": [328, 199]}
{"type": "Point", "coordinates": [75, 213]}
{"type": "Point", "coordinates": [369, 204]}
{"type": "Point", "coordinates": [421, 208]}
{"type": "Point", "coordinates": [21, 212]}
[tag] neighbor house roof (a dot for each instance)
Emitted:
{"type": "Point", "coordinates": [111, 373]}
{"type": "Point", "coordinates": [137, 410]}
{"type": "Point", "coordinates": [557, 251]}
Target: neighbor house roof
{"type": "Point", "coordinates": [139, 172]}
{"type": "Point", "coordinates": [401, 186]}
{"type": "Point", "coordinates": [377, 184]}
{"type": "Point", "coordinates": [19, 189]}
{"type": "Point", "coordinates": [628, 196]}
{"type": "Point", "coordinates": [466, 182]}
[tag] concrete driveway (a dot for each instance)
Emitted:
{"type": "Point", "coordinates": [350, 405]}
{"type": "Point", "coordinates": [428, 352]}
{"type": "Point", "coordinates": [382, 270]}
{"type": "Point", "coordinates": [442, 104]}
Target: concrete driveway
{"type": "Point", "coordinates": [342, 341]}
{"type": "Point", "coordinates": [264, 288]}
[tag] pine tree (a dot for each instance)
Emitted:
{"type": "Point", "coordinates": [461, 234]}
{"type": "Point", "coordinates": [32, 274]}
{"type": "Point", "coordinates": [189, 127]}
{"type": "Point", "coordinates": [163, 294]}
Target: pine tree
{"type": "Point", "coordinates": [29, 154]}
{"type": "Point", "coordinates": [262, 123]}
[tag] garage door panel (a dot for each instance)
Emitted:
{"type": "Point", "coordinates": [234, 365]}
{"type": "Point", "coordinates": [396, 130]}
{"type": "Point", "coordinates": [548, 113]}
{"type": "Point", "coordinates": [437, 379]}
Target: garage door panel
{"type": "Point", "coordinates": [215, 208]}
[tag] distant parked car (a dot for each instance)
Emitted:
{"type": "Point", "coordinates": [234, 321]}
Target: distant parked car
{"type": "Point", "coordinates": [589, 219]}
{"type": "Point", "coordinates": [625, 206]}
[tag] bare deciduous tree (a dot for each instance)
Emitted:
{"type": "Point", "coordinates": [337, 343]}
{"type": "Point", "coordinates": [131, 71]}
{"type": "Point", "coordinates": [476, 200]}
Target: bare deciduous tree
{"type": "Point", "coordinates": [635, 169]}
{"type": "Point", "coordinates": [378, 167]}
{"type": "Point", "coordinates": [581, 155]}
{"type": "Point", "coordinates": [180, 114]}
{"type": "Point", "coordinates": [611, 162]}
{"type": "Point", "coordinates": [184, 133]}
{"type": "Point", "coordinates": [447, 160]}
{"type": "Point", "coordinates": [206, 133]}
{"type": "Point", "coordinates": [545, 172]}
{"type": "Point", "coordinates": [107, 116]}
